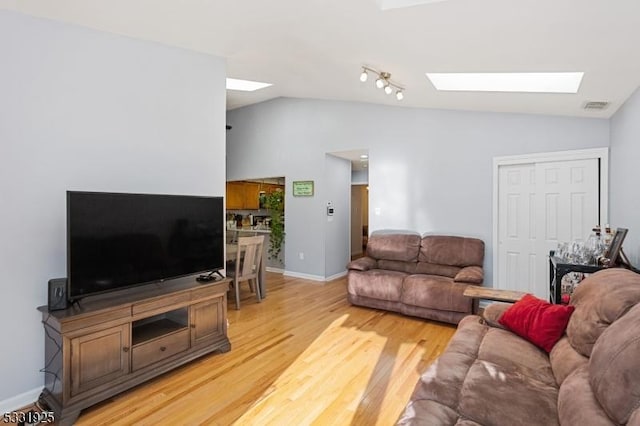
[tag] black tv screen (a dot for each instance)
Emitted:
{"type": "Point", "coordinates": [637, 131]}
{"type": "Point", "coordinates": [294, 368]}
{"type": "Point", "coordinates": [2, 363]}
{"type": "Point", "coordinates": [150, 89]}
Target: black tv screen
{"type": "Point", "coordinates": [118, 240]}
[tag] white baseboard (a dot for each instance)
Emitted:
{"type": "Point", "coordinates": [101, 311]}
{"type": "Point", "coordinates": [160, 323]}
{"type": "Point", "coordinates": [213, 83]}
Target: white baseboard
{"type": "Point", "coordinates": [20, 401]}
{"type": "Point", "coordinates": [336, 276]}
{"type": "Point", "coordinates": [304, 276]}
{"type": "Point", "coordinates": [314, 277]}
{"type": "Point", "coordinates": [276, 270]}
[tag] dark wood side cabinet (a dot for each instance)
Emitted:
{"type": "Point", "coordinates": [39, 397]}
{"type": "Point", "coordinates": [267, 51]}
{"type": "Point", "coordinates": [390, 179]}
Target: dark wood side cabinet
{"type": "Point", "coordinates": [112, 342]}
{"type": "Point", "coordinates": [558, 269]}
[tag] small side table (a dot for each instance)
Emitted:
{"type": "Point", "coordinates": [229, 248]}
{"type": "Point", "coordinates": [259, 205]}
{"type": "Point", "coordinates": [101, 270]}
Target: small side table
{"type": "Point", "coordinates": [498, 295]}
{"type": "Point", "coordinates": [558, 269]}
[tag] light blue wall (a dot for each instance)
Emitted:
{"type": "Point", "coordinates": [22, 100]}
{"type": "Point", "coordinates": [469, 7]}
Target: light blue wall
{"type": "Point", "coordinates": [337, 227]}
{"type": "Point", "coordinates": [429, 170]}
{"type": "Point", "coordinates": [625, 177]}
{"type": "Point", "coordinates": [360, 177]}
{"type": "Point", "coordinates": [85, 110]}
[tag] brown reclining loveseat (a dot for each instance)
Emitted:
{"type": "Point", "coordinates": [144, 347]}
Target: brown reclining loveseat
{"type": "Point", "coordinates": [419, 276]}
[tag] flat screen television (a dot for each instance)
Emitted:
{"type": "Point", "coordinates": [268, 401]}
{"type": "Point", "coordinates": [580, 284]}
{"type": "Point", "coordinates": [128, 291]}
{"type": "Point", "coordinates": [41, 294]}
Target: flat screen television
{"type": "Point", "coordinates": [117, 240]}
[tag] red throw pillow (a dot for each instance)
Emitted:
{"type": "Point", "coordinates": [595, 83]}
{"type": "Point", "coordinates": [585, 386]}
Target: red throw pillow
{"type": "Point", "coordinates": [538, 321]}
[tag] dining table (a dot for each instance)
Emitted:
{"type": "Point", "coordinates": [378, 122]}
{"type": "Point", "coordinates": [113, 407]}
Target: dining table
{"type": "Point", "coordinates": [231, 254]}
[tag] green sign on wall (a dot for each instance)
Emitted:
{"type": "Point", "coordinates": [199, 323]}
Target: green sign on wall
{"type": "Point", "coordinates": [303, 188]}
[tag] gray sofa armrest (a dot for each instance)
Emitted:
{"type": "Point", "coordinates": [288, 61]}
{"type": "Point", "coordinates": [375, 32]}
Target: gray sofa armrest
{"type": "Point", "coordinates": [470, 274]}
{"type": "Point", "coordinates": [363, 264]}
{"type": "Point", "coordinates": [493, 312]}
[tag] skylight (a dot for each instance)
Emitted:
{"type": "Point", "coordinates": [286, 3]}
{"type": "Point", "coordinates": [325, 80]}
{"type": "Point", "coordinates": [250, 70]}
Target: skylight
{"type": "Point", "coordinates": [245, 85]}
{"type": "Point", "coordinates": [528, 82]}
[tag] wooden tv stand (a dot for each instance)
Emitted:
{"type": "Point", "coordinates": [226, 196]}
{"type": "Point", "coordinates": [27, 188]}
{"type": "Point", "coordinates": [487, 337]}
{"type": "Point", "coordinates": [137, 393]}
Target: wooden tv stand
{"type": "Point", "coordinates": [112, 342]}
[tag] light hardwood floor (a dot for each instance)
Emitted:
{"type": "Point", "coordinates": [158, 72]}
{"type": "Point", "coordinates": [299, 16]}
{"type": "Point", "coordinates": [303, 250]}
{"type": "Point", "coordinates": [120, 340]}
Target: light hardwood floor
{"type": "Point", "coordinates": [302, 356]}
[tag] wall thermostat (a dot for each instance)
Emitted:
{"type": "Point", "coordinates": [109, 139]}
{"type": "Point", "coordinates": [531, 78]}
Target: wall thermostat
{"type": "Point", "coordinates": [329, 209]}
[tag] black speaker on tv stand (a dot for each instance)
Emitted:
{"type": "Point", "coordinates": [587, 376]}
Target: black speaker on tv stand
{"type": "Point", "coordinates": [57, 299]}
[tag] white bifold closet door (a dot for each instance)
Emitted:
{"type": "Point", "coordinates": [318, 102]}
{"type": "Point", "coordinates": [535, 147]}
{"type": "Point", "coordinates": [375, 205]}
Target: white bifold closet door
{"type": "Point", "coordinates": [539, 205]}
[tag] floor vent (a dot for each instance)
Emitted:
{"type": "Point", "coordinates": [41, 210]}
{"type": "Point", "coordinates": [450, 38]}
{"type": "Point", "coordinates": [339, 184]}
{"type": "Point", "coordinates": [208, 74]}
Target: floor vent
{"type": "Point", "coordinates": [596, 105]}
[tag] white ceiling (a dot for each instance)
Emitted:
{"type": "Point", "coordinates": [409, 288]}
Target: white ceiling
{"type": "Point", "coordinates": [314, 48]}
{"type": "Point", "coordinates": [358, 164]}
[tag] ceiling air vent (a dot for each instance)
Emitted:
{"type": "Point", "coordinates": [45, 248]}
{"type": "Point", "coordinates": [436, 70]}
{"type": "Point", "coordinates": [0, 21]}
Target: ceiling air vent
{"type": "Point", "coordinates": [596, 105]}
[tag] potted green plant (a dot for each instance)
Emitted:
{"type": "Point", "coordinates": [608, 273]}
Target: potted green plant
{"type": "Point", "coordinates": [274, 202]}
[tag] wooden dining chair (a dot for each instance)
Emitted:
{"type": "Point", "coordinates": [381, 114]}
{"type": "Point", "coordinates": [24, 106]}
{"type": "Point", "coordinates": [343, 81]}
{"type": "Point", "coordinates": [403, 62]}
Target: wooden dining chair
{"type": "Point", "coordinates": [246, 266]}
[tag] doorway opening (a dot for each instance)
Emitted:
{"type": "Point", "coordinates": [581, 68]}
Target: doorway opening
{"type": "Point", "coordinates": [359, 219]}
{"type": "Point", "coordinates": [359, 210]}
{"type": "Point", "coordinates": [248, 214]}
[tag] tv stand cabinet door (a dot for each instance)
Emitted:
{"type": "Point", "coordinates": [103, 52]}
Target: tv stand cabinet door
{"type": "Point", "coordinates": [100, 357]}
{"type": "Point", "coordinates": [208, 321]}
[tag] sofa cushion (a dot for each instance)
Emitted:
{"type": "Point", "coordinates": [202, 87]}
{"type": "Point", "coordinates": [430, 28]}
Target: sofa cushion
{"type": "Point", "coordinates": [452, 251]}
{"type": "Point", "coordinates": [443, 379]}
{"type": "Point", "coordinates": [492, 313]}
{"type": "Point", "coordinates": [472, 383]}
{"type": "Point", "coordinates": [386, 305]}
{"type": "Point", "coordinates": [435, 292]}
{"type": "Point", "coordinates": [577, 404]}
{"type": "Point", "coordinates": [538, 321]}
{"type": "Point", "coordinates": [450, 317]}
{"type": "Point", "coordinates": [519, 389]}
{"type": "Point", "coordinates": [397, 265]}
{"type": "Point", "coordinates": [466, 422]}
{"type": "Point", "coordinates": [426, 412]}
{"type": "Point", "coordinates": [470, 274]}
{"type": "Point", "coordinates": [435, 269]}
{"type": "Point", "coordinates": [468, 336]}
{"type": "Point", "coordinates": [515, 355]}
{"type": "Point", "coordinates": [363, 264]}
{"type": "Point", "coordinates": [376, 284]}
{"type": "Point", "coordinates": [600, 299]}
{"type": "Point", "coordinates": [492, 396]}
{"type": "Point", "coordinates": [565, 360]}
{"type": "Point", "coordinates": [614, 367]}
{"type": "Point", "coordinates": [394, 246]}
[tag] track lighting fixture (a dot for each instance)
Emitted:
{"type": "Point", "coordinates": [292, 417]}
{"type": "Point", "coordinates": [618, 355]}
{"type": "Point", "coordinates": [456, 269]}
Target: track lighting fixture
{"type": "Point", "coordinates": [383, 82]}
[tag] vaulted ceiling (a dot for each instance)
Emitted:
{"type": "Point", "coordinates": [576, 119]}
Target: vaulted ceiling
{"type": "Point", "coordinates": [315, 48]}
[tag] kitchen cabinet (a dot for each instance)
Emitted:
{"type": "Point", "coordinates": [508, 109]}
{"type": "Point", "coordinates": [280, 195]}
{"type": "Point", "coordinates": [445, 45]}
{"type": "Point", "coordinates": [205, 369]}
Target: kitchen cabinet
{"type": "Point", "coordinates": [251, 199]}
{"type": "Point", "coordinates": [243, 195]}
{"type": "Point", "coordinates": [235, 195]}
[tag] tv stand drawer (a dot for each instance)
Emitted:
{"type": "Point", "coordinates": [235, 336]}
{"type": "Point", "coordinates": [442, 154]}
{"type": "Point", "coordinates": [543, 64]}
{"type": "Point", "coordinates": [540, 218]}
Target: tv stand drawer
{"type": "Point", "coordinates": [158, 349]}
